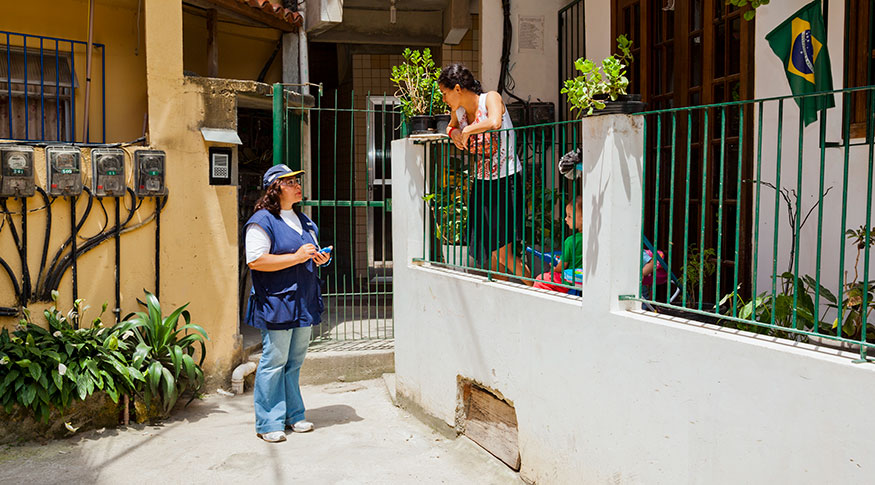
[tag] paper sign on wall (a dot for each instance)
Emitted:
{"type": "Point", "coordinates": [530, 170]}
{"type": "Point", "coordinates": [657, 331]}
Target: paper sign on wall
{"type": "Point", "coordinates": [531, 33]}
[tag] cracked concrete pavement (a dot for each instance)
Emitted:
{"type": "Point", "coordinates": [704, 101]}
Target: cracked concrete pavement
{"type": "Point", "coordinates": [360, 438]}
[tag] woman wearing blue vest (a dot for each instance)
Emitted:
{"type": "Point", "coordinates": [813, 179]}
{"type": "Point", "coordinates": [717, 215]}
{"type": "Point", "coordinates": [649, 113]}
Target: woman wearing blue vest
{"type": "Point", "coordinates": [282, 250]}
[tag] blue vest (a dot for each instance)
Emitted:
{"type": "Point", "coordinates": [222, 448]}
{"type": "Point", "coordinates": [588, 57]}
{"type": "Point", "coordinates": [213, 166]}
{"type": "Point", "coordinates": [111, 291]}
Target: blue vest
{"type": "Point", "coordinates": [290, 297]}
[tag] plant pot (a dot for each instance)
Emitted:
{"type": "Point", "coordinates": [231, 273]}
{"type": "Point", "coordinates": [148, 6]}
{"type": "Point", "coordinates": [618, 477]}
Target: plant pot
{"type": "Point", "coordinates": [441, 123]}
{"type": "Point", "coordinates": [625, 104]}
{"type": "Point", "coordinates": [421, 124]}
{"type": "Point", "coordinates": [455, 254]}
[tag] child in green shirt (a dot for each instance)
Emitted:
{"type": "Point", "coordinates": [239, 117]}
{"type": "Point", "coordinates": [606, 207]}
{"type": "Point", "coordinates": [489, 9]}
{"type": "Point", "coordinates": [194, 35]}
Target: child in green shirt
{"type": "Point", "coordinates": [572, 250]}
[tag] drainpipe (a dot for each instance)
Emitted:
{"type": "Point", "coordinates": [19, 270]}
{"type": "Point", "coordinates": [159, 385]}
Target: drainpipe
{"type": "Point", "coordinates": [303, 57]}
{"type": "Point", "coordinates": [239, 373]}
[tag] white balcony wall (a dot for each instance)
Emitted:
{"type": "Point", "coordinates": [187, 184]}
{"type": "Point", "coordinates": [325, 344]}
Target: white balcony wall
{"type": "Point", "coordinates": [605, 394]}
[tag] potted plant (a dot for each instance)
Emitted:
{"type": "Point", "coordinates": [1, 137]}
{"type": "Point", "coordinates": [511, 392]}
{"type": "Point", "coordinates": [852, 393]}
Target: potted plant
{"type": "Point", "coordinates": [603, 88]}
{"type": "Point", "coordinates": [416, 82]}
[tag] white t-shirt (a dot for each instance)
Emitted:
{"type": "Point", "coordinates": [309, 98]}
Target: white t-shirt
{"type": "Point", "coordinates": [504, 161]}
{"type": "Point", "coordinates": [258, 241]}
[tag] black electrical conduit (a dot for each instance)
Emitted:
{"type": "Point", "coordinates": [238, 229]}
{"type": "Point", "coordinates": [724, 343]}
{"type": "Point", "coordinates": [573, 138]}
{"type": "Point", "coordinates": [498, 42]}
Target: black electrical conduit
{"type": "Point", "coordinates": [50, 276]}
{"type": "Point", "coordinates": [22, 295]}
{"type": "Point", "coordinates": [59, 267]}
{"type": "Point", "coordinates": [160, 202]}
{"type": "Point", "coordinates": [65, 262]}
{"type": "Point", "coordinates": [25, 269]}
{"type": "Point", "coordinates": [507, 38]}
{"type": "Point", "coordinates": [45, 292]}
{"type": "Point", "coordinates": [23, 291]}
{"type": "Point", "coordinates": [74, 230]}
{"type": "Point", "coordinates": [117, 309]}
{"type": "Point", "coordinates": [48, 233]}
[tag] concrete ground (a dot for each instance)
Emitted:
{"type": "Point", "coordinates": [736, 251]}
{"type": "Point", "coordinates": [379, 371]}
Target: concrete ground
{"type": "Point", "coordinates": [360, 437]}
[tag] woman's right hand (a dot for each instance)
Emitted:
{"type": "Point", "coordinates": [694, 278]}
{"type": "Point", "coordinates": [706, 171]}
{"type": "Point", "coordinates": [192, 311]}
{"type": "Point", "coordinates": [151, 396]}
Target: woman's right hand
{"type": "Point", "coordinates": [457, 138]}
{"type": "Point", "coordinates": [304, 253]}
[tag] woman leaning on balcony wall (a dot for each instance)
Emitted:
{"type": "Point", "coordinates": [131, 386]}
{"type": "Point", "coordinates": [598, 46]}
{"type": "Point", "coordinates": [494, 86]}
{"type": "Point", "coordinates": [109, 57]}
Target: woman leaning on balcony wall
{"type": "Point", "coordinates": [496, 205]}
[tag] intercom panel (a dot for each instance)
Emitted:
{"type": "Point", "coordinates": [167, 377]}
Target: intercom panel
{"type": "Point", "coordinates": [108, 172]}
{"type": "Point", "coordinates": [16, 171]}
{"type": "Point", "coordinates": [149, 173]}
{"type": "Point", "coordinates": [63, 171]}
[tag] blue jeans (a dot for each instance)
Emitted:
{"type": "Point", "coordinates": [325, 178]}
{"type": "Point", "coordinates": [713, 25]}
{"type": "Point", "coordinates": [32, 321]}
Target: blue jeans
{"type": "Point", "coordinates": [278, 398]}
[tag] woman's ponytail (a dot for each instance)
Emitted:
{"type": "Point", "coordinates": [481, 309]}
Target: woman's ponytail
{"type": "Point", "coordinates": [458, 74]}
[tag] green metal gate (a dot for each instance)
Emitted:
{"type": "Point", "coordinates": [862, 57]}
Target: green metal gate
{"type": "Point", "coordinates": [343, 143]}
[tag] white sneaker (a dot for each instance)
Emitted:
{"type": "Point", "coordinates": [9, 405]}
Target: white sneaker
{"type": "Point", "coordinates": [273, 436]}
{"type": "Point", "coordinates": [302, 426]}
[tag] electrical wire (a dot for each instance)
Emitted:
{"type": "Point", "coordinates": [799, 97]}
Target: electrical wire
{"type": "Point", "coordinates": [24, 291]}
{"type": "Point", "coordinates": [44, 207]}
{"type": "Point", "coordinates": [53, 280]}
{"type": "Point", "coordinates": [46, 237]}
{"type": "Point", "coordinates": [505, 80]}
{"type": "Point", "coordinates": [105, 220]}
{"type": "Point", "coordinates": [46, 293]}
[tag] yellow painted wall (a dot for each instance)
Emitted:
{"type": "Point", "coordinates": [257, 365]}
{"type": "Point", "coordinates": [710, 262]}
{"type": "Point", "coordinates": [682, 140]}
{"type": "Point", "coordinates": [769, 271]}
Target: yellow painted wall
{"type": "Point", "coordinates": [115, 25]}
{"type": "Point", "coordinates": [199, 224]}
{"type": "Point", "coordinates": [199, 247]}
{"type": "Point", "coordinates": [243, 50]}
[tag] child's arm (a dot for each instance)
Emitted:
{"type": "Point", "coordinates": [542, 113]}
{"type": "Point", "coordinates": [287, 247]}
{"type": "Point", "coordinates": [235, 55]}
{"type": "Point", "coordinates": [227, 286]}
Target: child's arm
{"type": "Point", "coordinates": [647, 269]}
{"type": "Point", "coordinates": [560, 267]}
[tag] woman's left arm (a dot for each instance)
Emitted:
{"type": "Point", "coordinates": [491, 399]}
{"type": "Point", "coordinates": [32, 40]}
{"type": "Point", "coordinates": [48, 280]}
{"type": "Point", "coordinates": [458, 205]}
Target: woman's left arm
{"type": "Point", "coordinates": [495, 110]}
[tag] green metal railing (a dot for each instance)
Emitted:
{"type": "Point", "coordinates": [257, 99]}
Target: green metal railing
{"type": "Point", "coordinates": [728, 192]}
{"type": "Point", "coordinates": [470, 220]}
{"type": "Point", "coordinates": [344, 144]}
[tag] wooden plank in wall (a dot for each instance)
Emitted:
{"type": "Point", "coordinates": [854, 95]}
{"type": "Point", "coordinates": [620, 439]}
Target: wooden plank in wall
{"type": "Point", "coordinates": [491, 423]}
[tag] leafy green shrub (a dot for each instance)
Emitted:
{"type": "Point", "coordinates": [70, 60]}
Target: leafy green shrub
{"type": "Point", "coordinates": [416, 80]}
{"type": "Point", "coordinates": [41, 369]}
{"type": "Point", "coordinates": [800, 293]}
{"type": "Point", "coordinates": [589, 91]}
{"type": "Point", "coordinates": [146, 355]}
{"type": "Point", "coordinates": [164, 353]}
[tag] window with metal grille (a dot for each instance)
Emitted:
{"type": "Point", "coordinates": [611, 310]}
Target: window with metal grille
{"type": "Point", "coordinates": [572, 46]}
{"type": "Point", "coordinates": [36, 92]}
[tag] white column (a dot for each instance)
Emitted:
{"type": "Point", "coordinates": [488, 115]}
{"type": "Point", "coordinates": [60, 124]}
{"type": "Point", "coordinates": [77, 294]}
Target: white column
{"type": "Point", "coordinates": [612, 164]}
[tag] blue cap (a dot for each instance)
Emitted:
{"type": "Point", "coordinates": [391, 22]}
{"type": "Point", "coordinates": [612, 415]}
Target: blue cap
{"type": "Point", "coordinates": [278, 172]}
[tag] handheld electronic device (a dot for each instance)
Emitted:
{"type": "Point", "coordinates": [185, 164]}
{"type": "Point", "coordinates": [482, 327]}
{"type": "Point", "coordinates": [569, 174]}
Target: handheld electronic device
{"type": "Point", "coordinates": [326, 250]}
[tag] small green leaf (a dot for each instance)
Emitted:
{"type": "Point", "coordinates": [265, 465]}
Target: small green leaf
{"type": "Point", "coordinates": [57, 379]}
{"type": "Point", "coordinates": [28, 395]}
{"type": "Point", "coordinates": [82, 384]}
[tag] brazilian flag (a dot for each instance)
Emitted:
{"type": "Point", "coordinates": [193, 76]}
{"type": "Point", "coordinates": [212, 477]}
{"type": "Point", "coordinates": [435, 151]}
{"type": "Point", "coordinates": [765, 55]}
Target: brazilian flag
{"type": "Point", "coordinates": [800, 42]}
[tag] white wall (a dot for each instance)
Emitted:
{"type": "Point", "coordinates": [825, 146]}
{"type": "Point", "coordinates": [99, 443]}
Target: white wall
{"type": "Point", "coordinates": [535, 73]}
{"type": "Point", "coordinates": [604, 394]}
{"type": "Point", "coordinates": [770, 81]}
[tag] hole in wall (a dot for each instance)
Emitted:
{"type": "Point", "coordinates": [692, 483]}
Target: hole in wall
{"type": "Point", "coordinates": [489, 420]}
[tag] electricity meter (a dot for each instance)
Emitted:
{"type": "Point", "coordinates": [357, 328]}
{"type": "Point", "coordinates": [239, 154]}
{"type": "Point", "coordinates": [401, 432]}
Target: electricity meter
{"type": "Point", "coordinates": [108, 172]}
{"type": "Point", "coordinates": [149, 173]}
{"type": "Point", "coordinates": [63, 170]}
{"type": "Point", "coordinates": [16, 171]}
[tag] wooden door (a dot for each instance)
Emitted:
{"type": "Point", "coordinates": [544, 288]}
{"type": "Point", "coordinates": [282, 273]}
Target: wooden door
{"type": "Point", "coordinates": [692, 53]}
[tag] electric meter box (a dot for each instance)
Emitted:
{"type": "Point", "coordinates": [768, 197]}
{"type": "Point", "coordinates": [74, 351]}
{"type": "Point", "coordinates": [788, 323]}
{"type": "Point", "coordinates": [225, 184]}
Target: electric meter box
{"type": "Point", "coordinates": [108, 172]}
{"type": "Point", "coordinates": [63, 171]}
{"type": "Point", "coordinates": [149, 173]}
{"type": "Point", "coordinates": [16, 171]}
